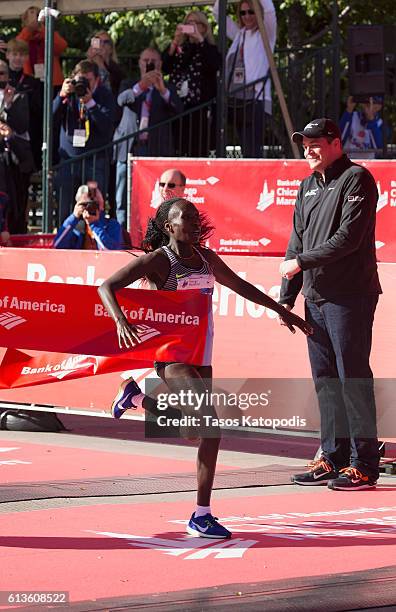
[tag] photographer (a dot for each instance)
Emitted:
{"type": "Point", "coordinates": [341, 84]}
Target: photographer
{"type": "Point", "coordinates": [154, 102]}
{"type": "Point", "coordinates": [192, 61]}
{"type": "Point", "coordinates": [250, 106]}
{"type": "Point", "coordinates": [362, 128]}
{"type": "Point", "coordinates": [87, 227]}
{"type": "Point", "coordinates": [102, 52]}
{"type": "Point", "coordinates": [84, 109]}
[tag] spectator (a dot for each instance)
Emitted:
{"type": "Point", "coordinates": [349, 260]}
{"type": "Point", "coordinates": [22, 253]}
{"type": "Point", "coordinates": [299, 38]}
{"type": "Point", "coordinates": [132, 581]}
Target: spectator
{"type": "Point", "coordinates": [85, 111]}
{"type": "Point", "coordinates": [33, 32]}
{"type": "Point", "coordinates": [15, 167]}
{"type": "Point", "coordinates": [126, 127]}
{"type": "Point", "coordinates": [13, 105]}
{"type": "Point", "coordinates": [17, 54]}
{"type": "Point", "coordinates": [87, 227]}
{"type": "Point", "coordinates": [192, 61]}
{"type": "Point", "coordinates": [362, 129]}
{"type": "Point", "coordinates": [102, 52]}
{"type": "Point", "coordinates": [247, 62]}
{"type": "Point", "coordinates": [15, 150]}
{"type": "Point", "coordinates": [4, 202]}
{"type": "Point", "coordinates": [154, 103]}
{"type": "Point", "coordinates": [3, 206]}
{"type": "Point", "coordinates": [4, 199]}
{"type": "Point", "coordinates": [172, 184]}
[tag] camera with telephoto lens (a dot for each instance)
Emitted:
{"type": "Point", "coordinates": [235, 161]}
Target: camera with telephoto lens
{"type": "Point", "coordinates": [91, 207]}
{"type": "Point", "coordinates": [81, 86]}
{"type": "Point", "coordinates": [150, 66]}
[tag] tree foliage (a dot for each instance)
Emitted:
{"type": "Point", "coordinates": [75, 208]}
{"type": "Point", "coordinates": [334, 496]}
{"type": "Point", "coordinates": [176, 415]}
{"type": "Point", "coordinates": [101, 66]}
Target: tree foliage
{"type": "Point", "coordinates": [314, 16]}
{"type": "Point", "coordinates": [298, 22]}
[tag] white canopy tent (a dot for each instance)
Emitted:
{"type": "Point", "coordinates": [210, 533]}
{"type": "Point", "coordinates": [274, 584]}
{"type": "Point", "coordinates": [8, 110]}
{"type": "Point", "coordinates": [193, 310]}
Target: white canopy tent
{"type": "Point", "coordinates": [12, 9]}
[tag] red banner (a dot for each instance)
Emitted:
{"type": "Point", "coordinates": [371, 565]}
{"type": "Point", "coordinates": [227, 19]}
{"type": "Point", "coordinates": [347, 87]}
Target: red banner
{"type": "Point", "coordinates": [46, 317]}
{"type": "Point", "coordinates": [248, 341]}
{"type": "Point", "coordinates": [251, 202]}
{"type": "Point", "coordinates": [18, 369]}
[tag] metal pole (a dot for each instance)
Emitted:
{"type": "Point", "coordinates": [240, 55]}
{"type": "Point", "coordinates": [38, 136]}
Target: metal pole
{"type": "Point", "coordinates": [221, 107]}
{"type": "Point", "coordinates": [47, 120]}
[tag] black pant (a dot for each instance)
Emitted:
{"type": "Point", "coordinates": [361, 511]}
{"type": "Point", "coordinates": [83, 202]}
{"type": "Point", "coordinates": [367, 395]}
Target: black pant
{"type": "Point", "coordinates": [194, 133]}
{"type": "Point", "coordinates": [15, 184]}
{"type": "Point", "coordinates": [339, 352]}
{"type": "Point", "coordinates": [248, 120]}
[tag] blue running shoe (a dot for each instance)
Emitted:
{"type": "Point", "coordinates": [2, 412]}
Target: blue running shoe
{"type": "Point", "coordinates": [207, 527]}
{"type": "Point", "coordinates": [124, 398]}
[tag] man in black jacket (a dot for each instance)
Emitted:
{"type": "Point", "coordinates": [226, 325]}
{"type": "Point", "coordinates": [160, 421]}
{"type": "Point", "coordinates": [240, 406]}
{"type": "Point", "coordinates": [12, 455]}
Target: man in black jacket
{"type": "Point", "coordinates": [331, 256]}
{"type": "Point", "coordinates": [85, 109]}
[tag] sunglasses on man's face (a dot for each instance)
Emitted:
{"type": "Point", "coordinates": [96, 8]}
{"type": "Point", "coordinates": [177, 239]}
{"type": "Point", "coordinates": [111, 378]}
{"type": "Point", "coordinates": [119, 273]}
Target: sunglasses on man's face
{"type": "Point", "coordinates": [3, 73]}
{"type": "Point", "coordinates": [170, 185]}
{"type": "Point", "coordinates": [248, 12]}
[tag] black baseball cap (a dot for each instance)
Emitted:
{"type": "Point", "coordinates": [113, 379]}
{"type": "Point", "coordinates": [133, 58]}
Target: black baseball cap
{"type": "Point", "coordinates": [318, 128]}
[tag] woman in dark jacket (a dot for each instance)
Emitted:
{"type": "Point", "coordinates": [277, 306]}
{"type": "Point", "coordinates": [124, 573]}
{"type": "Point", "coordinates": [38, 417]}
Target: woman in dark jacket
{"type": "Point", "coordinates": [192, 61]}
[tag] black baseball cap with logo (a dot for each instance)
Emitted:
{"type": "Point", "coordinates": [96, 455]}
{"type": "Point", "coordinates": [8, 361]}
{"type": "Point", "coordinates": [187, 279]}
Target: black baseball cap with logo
{"type": "Point", "coordinates": [318, 128]}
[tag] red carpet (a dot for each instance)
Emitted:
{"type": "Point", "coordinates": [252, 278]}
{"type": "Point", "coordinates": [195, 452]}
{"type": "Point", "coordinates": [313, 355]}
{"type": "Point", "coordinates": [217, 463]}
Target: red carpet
{"type": "Point", "coordinates": [25, 462]}
{"type": "Point", "coordinates": [131, 549]}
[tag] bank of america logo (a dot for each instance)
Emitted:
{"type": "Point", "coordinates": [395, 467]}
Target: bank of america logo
{"type": "Point", "coordinates": [9, 320]}
{"type": "Point", "coordinates": [87, 362]}
{"type": "Point", "coordinates": [146, 332]}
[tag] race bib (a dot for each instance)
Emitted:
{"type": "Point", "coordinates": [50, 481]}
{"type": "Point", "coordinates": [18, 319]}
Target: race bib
{"type": "Point", "coordinates": [194, 281]}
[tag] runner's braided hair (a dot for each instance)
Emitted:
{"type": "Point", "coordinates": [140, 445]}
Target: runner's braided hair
{"type": "Point", "coordinates": [156, 235]}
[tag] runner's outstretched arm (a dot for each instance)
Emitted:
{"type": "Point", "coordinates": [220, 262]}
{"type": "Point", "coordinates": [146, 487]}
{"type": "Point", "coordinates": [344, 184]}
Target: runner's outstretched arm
{"type": "Point", "coordinates": [225, 276]}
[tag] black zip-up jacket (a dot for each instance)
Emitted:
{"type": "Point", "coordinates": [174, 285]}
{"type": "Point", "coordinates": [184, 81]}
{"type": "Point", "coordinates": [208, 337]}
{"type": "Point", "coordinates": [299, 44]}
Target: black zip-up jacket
{"type": "Point", "coordinates": [333, 237]}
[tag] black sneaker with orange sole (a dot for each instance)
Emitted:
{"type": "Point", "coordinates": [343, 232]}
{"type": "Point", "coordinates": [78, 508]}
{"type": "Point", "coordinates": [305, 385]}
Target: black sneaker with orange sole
{"type": "Point", "coordinates": [320, 473]}
{"type": "Point", "coordinates": [351, 479]}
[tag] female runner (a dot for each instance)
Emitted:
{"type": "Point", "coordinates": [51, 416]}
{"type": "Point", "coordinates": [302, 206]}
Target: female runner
{"type": "Point", "coordinates": [175, 259]}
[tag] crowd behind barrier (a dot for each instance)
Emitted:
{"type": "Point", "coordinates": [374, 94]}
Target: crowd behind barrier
{"type": "Point", "coordinates": [101, 114]}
